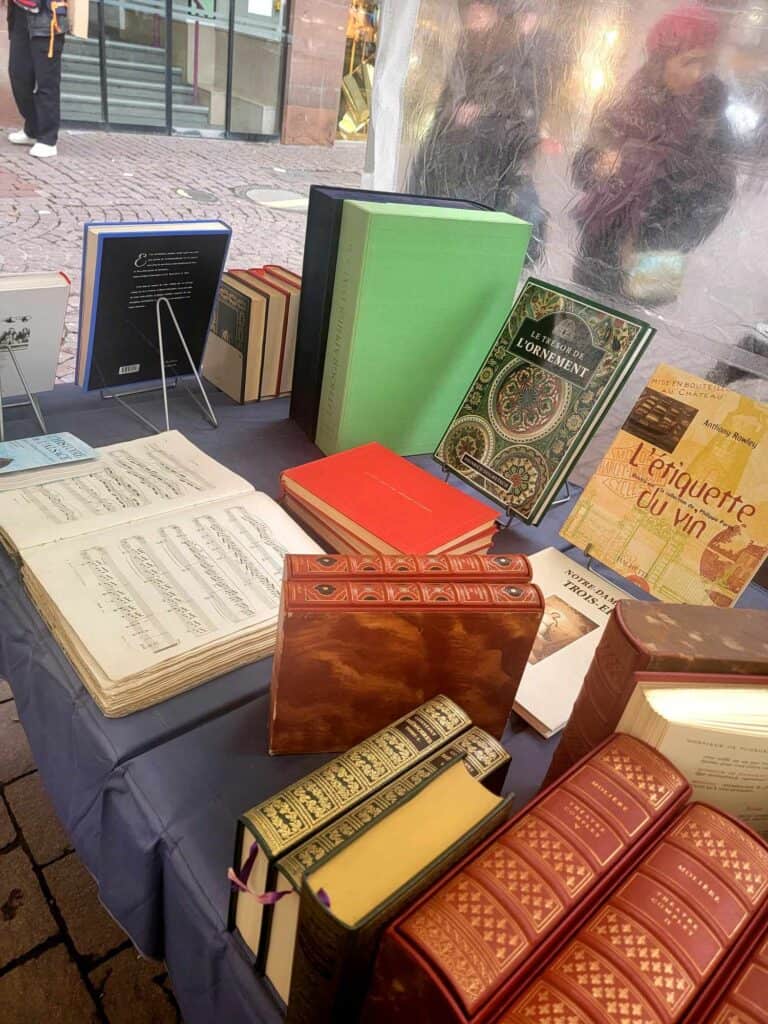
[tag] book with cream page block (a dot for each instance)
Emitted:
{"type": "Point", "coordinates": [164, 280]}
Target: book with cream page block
{"type": "Point", "coordinates": [157, 571]}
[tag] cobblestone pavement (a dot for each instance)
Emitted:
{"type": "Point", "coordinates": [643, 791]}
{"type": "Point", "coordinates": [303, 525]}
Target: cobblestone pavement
{"type": "Point", "coordinates": [102, 176]}
{"type": "Point", "coordinates": [63, 960]}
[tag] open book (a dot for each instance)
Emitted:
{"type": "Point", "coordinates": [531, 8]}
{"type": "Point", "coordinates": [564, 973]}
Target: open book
{"type": "Point", "coordinates": [157, 570]}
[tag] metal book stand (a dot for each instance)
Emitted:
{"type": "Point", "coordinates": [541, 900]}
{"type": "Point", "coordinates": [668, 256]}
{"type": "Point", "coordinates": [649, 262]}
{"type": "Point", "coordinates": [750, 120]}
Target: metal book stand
{"type": "Point", "coordinates": [120, 395]}
{"type": "Point", "coordinates": [510, 513]}
{"type": "Point", "coordinates": [29, 400]}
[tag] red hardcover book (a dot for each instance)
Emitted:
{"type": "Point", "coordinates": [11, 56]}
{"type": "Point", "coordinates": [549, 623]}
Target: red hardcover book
{"type": "Point", "coordinates": [653, 945]}
{"type": "Point", "coordinates": [641, 636]}
{"type": "Point", "coordinates": [391, 504]}
{"type": "Point", "coordinates": [352, 653]}
{"type": "Point", "coordinates": [505, 568]}
{"type": "Point", "coordinates": [741, 995]}
{"type": "Point", "coordinates": [465, 947]}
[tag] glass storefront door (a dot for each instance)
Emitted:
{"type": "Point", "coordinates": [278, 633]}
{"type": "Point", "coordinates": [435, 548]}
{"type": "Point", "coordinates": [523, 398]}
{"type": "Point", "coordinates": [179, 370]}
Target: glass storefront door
{"type": "Point", "coordinates": [211, 67]}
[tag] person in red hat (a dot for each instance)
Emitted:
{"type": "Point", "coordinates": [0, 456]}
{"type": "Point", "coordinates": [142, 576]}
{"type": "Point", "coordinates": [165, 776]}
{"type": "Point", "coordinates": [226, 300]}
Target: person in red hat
{"type": "Point", "coordinates": [657, 173]}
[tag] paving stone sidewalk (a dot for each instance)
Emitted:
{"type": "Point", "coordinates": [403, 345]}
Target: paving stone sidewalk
{"type": "Point", "coordinates": [63, 960]}
{"type": "Point", "coordinates": [100, 176]}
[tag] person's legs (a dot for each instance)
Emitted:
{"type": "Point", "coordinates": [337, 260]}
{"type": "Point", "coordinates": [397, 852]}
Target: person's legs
{"type": "Point", "coordinates": [48, 96]}
{"type": "Point", "coordinates": [22, 73]}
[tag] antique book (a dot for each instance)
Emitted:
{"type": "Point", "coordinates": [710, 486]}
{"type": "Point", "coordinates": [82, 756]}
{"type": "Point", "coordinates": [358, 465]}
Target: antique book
{"type": "Point", "coordinates": [32, 311]}
{"type": "Point", "coordinates": [29, 454]}
{"type": "Point", "coordinates": [127, 268]}
{"type": "Point", "coordinates": [577, 604]}
{"type": "Point", "coordinates": [553, 371]}
{"type": "Point", "coordinates": [417, 293]}
{"type": "Point", "coordinates": [467, 944]}
{"type": "Point", "coordinates": [286, 295]}
{"type": "Point", "coordinates": [290, 283]}
{"type": "Point", "coordinates": [653, 945]}
{"type": "Point", "coordinates": [321, 568]}
{"type": "Point", "coordinates": [467, 639]}
{"type": "Point", "coordinates": [277, 825]}
{"type": "Point", "coordinates": [739, 994]}
{"type": "Point", "coordinates": [714, 729]}
{"type": "Point", "coordinates": [275, 330]}
{"type": "Point", "coordinates": [679, 504]}
{"type": "Point", "coordinates": [484, 758]}
{"type": "Point", "coordinates": [234, 352]}
{"type": "Point", "coordinates": [321, 244]}
{"type": "Point", "coordinates": [349, 898]}
{"type": "Point", "coordinates": [642, 636]}
{"type": "Point", "coordinates": [157, 570]}
{"type": "Point", "coordinates": [390, 504]}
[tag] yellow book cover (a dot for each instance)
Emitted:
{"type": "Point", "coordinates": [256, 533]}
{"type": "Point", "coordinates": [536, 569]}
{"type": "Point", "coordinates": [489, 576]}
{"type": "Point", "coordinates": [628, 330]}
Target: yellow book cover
{"type": "Point", "coordinates": [679, 504]}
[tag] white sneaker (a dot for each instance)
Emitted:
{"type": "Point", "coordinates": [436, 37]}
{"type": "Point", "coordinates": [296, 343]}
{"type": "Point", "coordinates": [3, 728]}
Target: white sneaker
{"type": "Point", "coordinates": [40, 149]}
{"type": "Point", "coordinates": [20, 138]}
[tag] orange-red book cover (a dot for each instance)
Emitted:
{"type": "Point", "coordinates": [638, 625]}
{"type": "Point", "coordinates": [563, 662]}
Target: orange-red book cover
{"type": "Point", "coordinates": [460, 952]}
{"type": "Point", "coordinates": [355, 652]}
{"type": "Point", "coordinates": [654, 944]}
{"type": "Point", "coordinates": [643, 636]}
{"type": "Point", "coordinates": [741, 993]}
{"type": "Point", "coordinates": [406, 508]}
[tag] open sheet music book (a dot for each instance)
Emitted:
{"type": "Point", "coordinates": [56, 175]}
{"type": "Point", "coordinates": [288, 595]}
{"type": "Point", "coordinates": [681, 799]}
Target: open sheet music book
{"type": "Point", "coordinates": [157, 571]}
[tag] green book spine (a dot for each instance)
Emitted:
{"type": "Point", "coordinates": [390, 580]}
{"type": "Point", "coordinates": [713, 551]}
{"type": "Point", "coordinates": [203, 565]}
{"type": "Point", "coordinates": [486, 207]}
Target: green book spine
{"type": "Point", "coordinates": [484, 757]}
{"type": "Point", "coordinates": [295, 813]}
{"type": "Point", "coordinates": [350, 261]}
{"type": "Point", "coordinates": [333, 962]}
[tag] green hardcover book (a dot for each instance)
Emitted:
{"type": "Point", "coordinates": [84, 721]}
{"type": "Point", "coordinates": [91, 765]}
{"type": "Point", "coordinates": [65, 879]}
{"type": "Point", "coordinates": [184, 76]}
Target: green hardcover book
{"type": "Point", "coordinates": [351, 896]}
{"type": "Point", "coordinates": [551, 375]}
{"type": "Point", "coordinates": [484, 758]}
{"type": "Point", "coordinates": [273, 828]}
{"type": "Point", "coordinates": [418, 291]}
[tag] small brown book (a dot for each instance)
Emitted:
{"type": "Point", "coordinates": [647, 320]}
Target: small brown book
{"type": "Point", "coordinates": [358, 649]}
{"type": "Point", "coordinates": [641, 636]}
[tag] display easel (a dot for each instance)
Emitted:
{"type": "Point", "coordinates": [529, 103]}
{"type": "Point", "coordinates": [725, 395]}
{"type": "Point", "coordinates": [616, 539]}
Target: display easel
{"type": "Point", "coordinates": [120, 395]}
{"type": "Point", "coordinates": [29, 400]}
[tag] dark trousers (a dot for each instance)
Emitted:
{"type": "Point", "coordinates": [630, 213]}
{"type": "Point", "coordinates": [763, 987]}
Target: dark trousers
{"type": "Point", "coordinates": [35, 79]}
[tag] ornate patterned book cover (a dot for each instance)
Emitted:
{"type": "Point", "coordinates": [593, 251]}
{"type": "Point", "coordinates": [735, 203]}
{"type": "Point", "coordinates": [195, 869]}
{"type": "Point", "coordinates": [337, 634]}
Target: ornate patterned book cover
{"type": "Point", "coordinates": [648, 950]}
{"type": "Point", "coordinates": [293, 814]}
{"type": "Point", "coordinates": [467, 944]}
{"type": "Point", "coordinates": [515, 568]}
{"type": "Point", "coordinates": [468, 640]}
{"type": "Point", "coordinates": [679, 504]}
{"type": "Point", "coordinates": [641, 636]}
{"type": "Point", "coordinates": [553, 371]}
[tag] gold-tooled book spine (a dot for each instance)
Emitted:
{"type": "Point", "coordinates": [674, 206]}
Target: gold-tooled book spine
{"type": "Point", "coordinates": [516, 568]}
{"type": "Point", "coordinates": [484, 758]}
{"type": "Point", "coordinates": [299, 810]}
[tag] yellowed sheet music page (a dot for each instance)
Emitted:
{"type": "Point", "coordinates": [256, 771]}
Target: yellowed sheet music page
{"type": "Point", "coordinates": [139, 595]}
{"type": "Point", "coordinates": [130, 481]}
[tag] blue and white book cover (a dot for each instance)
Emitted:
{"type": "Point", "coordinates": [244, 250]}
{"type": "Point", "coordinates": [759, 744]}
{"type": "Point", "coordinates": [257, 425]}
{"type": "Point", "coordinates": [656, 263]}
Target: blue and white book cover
{"type": "Point", "coordinates": [42, 452]}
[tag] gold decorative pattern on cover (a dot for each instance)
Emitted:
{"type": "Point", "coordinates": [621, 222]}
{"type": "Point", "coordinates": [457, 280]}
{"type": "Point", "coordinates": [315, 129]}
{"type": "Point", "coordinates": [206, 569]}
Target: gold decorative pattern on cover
{"type": "Point", "coordinates": [537, 838]}
{"type": "Point", "coordinates": [638, 766]}
{"type": "Point", "coordinates": [733, 851]}
{"type": "Point", "coordinates": [470, 934]}
{"type": "Point", "coordinates": [611, 993]}
{"type": "Point", "coordinates": [537, 900]}
{"type": "Point", "coordinates": [292, 814]}
{"type": "Point", "coordinates": [410, 565]}
{"type": "Point", "coordinates": [383, 591]}
{"type": "Point", "coordinates": [543, 1003]}
{"type": "Point", "coordinates": [641, 951]}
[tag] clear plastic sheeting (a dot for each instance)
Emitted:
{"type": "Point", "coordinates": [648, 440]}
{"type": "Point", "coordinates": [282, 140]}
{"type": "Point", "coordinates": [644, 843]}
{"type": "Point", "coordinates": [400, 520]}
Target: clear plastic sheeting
{"type": "Point", "coordinates": [633, 136]}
